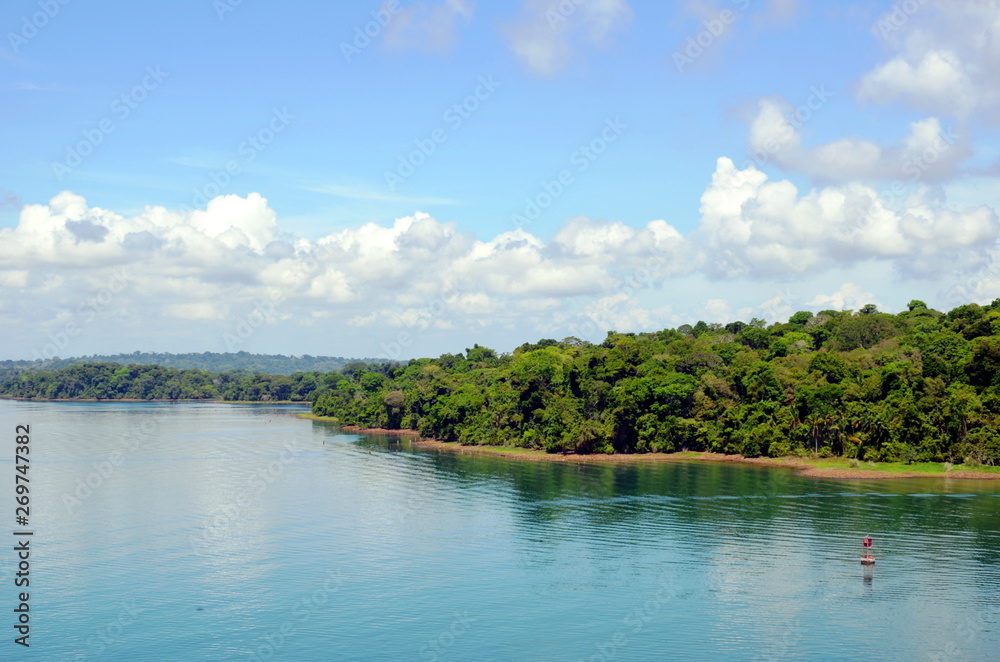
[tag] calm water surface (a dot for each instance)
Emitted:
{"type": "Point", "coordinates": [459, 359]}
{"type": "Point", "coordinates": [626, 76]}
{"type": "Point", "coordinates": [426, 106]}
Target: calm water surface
{"type": "Point", "coordinates": [227, 532]}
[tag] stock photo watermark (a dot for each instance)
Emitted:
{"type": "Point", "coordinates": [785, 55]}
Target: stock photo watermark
{"type": "Point", "coordinates": [421, 321]}
{"type": "Point", "coordinates": [779, 648]}
{"type": "Point", "coordinates": [35, 23]}
{"type": "Point", "coordinates": [121, 108]}
{"type": "Point", "coordinates": [303, 610]}
{"type": "Point", "coordinates": [914, 167]}
{"type": "Point", "coordinates": [893, 21]}
{"type": "Point", "coordinates": [971, 290]}
{"type": "Point", "coordinates": [103, 470]}
{"type": "Point", "coordinates": [580, 160]}
{"type": "Point", "coordinates": [249, 149]}
{"type": "Point", "coordinates": [215, 527]}
{"type": "Point", "coordinates": [562, 12]}
{"type": "Point", "coordinates": [455, 116]}
{"type": "Point", "coordinates": [85, 313]}
{"type": "Point", "coordinates": [365, 34]}
{"type": "Point", "coordinates": [714, 28]}
{"type": "Point", "coordinates": [602, 318]}
{"type": "Point", "coordinates": [111, 632]}
{"type": "Point", "coordinates": [223, 7]}
{"type": "Point", "coordinates": [965, 634]}
{"type": "Point", "coordinates": [795, 119]}
{"type": "Point", "coordinates": [634, 622]}
{"type": "Point", "coordinates": [446, 638]}
{"type": "Point", "coordinates": [265, 310]}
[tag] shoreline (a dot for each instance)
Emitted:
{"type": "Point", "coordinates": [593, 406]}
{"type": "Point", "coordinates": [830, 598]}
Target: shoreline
{"type": "Point", "coordinates": [811, 468]}
{"type": "Point", "coordinates": [180, 400]}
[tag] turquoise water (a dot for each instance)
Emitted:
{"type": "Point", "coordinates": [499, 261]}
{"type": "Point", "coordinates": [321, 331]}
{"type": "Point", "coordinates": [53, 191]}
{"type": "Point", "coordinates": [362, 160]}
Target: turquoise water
{"type": "Point", "coordinates": [227, 532]}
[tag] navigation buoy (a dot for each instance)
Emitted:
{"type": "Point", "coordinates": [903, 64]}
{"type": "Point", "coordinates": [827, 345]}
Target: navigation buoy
{"type": "Point", "coordinates": [868, 553]}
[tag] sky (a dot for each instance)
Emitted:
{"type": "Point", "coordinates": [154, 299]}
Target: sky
{"type": "Point", "coordinates": [404, 178]}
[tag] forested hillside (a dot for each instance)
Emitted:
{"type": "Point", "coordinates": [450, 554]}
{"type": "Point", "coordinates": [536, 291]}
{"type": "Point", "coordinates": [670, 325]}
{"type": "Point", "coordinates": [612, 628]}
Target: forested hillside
{"type": "Point", "coordinates": [270, 364]}
{"type": "Point", "coordinates": [920, 385]}
{"type": "Point", "coordinates": [110, 381]}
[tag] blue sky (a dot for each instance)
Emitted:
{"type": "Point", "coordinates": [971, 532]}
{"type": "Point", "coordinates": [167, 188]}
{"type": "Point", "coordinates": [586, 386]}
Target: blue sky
{"type": "Point", "coordinates": [240, 163]}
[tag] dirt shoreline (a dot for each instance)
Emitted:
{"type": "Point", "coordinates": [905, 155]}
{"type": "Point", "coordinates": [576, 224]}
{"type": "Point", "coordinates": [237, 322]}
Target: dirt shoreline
{"type": "Point", "coordinates": [803, 467]}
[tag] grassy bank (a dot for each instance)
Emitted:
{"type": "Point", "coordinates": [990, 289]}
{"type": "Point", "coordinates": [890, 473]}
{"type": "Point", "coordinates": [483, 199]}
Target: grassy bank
{"type": "Point", "coordinates": [841, 468]}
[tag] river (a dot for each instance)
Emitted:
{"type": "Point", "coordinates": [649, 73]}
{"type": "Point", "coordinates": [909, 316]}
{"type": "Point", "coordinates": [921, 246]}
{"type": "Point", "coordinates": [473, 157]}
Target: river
{"type": "Point", "coordinates": [230, 532]}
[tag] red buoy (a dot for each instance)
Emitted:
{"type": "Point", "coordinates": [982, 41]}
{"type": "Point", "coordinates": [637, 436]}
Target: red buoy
{"type": "Point", "coordinates": [868, 555]}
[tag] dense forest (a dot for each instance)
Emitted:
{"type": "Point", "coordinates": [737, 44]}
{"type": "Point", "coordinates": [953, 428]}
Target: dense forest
{"type": "Point", "coordinates": [270, 364]}
{"type": "Point", "coordinates": [111, 381]}
{"type": "Point", "coordinates": [918, 386]}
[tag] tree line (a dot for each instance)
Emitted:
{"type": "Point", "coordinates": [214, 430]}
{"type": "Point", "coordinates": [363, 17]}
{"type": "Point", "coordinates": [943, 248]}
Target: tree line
{"type": "Point", "coordinates": [112, 381]}
{"type": "Point", "coordinates": [921, 385]}
{"type": "Point", "coordinates": [271, 364]}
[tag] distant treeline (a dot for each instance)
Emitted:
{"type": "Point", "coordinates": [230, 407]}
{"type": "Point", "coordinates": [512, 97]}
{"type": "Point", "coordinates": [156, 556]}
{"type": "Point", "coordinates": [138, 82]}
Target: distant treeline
{"type": "Point", "coordinates": [920, 385]}
{"type": "Point", "coordinates": [269, 364]}
{"type": "Point", "coordinates": [110, 381]}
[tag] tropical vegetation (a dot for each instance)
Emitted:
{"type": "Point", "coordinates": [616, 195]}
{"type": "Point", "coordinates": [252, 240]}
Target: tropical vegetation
{"type": "Point", "coordinates": [918, 386]}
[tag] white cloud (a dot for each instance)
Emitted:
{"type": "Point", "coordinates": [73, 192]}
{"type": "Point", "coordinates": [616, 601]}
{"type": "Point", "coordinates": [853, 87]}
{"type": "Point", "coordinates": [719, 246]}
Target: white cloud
{"type": "Point", "coordinates": [14, 278]}
{"type": "Point", "coordinates": [848, 297]}
{"type": "Point", "coordinates": [549, 34]}
{"type": "Point", "coordinates": [204, 271]}
{"type": "Point", "coordinates": [981, 285]}
{"type": "Point", "coordinates": [752, 227]}
{"type": "Point", "coordinates": [717, 310]}
{"type": "Point", "coordinates": [196, 311]}
{"type": "Point", "coordinates": [237, 222]}
{"type": "Point", "coordinates": [947, 54]}
{"type": "Point", "coordinates": [933, 80]}
{"type": "Point", "coordinates": [622, 312]}
{"type": "Point", "coordinates": [136, 281]}
{"type": "Point", "coordinates": [584, 258]}
{"type": "Point", "coordinates": [68, 232]}
{"type": "Point", "coordinates": [428, 26]}
{"type": "Point", "coordinates": [929, 153]}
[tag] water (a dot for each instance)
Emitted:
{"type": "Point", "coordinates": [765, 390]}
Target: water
{"type": "Point", "coordinates": [241, 532]}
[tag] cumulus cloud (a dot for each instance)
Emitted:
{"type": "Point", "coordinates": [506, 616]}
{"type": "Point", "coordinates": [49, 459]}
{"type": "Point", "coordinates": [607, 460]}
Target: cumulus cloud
{"type": "Point", "coordinates": [206, 268]}
{"type": "Point", "coordinates": [549, 34]}
{"type": "Point", "coordinates": [160, 273]}
{"type": "Point", "coordinates": [197, 311]}
{"type": "Point", "coordinates": [14, 278]}
{"type": "Point", "coordinates": [622, 312]}
{"type": "Point", "coordinates": [717, 310]}
{"type": "Point", "coordinates": [848, 297]}
{"type": "Point", "coordinates": [69, 232]}
{"type": "Point", "coordinates": [752, 227]}
{"type": "Point", "coordinates": [428, 26]}
{"type": "Point", "coordinates": [981, 285]}
{"type": "Point", "coordinates": [928, 153]}
{"type": "Point", "coordinates": [945, 61]}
